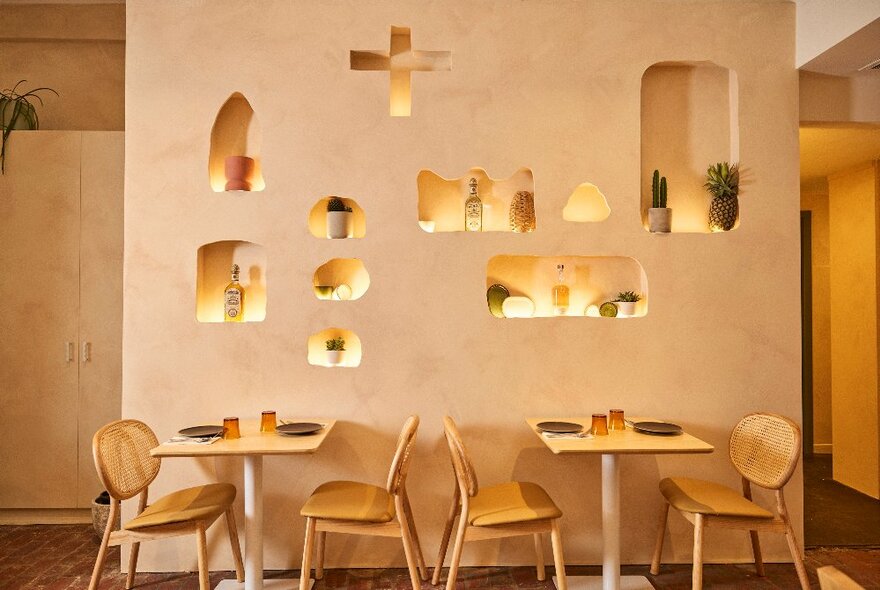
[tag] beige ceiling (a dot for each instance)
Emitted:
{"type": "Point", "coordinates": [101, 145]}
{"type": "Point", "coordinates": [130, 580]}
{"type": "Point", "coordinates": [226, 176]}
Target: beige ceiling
{"type": "Point", "coordinates": [829, 149]}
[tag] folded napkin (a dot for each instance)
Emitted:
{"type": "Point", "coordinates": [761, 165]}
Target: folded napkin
{"type": "Point", "coordinates": [567, 435]}
{"type": "Point", "coordinates": [185, 440]}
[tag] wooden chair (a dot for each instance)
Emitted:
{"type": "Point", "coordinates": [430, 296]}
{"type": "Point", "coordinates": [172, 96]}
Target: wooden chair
{"type": "Point", "coordinates": [831, 578]}
{"type": "Point", "coordinates": [122, 457]}
{"type": "Point", "coordinates": [362, 509]}
{"type": "Point", "coordinates": [764, 449]}
{"type": "Point", "coordinates": [504, 510]}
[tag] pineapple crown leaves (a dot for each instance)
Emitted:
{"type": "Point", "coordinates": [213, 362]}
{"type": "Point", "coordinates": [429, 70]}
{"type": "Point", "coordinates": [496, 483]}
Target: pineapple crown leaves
{"type": "Point", "coordinates": [628, 296]}
{"type": "Point", "coordinates": [337, 204]}
{"type": "Point", "coordinates": [335, 344]}
{"type": "Point", "coordinates": [722, 180]}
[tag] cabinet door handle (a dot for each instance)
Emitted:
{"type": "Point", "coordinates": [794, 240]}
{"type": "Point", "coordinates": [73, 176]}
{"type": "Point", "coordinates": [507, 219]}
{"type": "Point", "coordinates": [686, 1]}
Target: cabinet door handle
{"type": "Point", "coordinates": [68, 351]}
{"type": "Point", "coordinates": [86, 355]}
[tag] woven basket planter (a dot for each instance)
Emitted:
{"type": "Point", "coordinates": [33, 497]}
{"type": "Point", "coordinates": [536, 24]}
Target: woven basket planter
{"type": "Point", "coordinates": [100, 515]}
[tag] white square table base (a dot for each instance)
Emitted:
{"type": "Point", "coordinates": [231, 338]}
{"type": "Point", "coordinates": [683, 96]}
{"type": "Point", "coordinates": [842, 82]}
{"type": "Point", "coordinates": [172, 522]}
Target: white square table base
{"type": "Point", "coordinates": [595, 583]}
{"type": "Point", "coordinates": [274, 584]}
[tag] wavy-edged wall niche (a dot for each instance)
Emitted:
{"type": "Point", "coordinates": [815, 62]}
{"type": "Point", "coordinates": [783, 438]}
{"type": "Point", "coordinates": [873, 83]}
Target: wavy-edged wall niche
{"type": "Point", "coordinates": [341, 279]}
{"type": "Point", "coordinates": [317, 347]}
{"type": "Point", "coordinates": [586, 204]}
{"type": "Point", "coordinates": [591, 280]}
{"type": "Point", "coordinates": [442, 200]}
{"type": "Point", "coordinates": [689, 121]}
{"type": "Point", "coordinates": [236, 134]}
{"type": "Point", "coordinates": [214, 267]}
{"type": "Point", "coordinates": [321, 224]}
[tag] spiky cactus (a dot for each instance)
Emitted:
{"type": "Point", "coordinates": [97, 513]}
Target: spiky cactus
{"type": "Point", "coordinates": [658, 191]}
{"type": "Point", "coordinates": [335, 204]}
{"type": "Point", "coordinates": [663, 193]}
{"type": "Point", "coordinates": [722, 182]}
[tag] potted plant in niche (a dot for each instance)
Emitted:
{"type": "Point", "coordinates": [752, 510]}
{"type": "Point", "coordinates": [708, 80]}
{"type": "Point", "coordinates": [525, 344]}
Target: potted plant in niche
{"type": "Point", "coordinates": [335, 348]}
{"type": "Point", "coordinates": [18, 112]}
{"type": "Point", "coordinates": [626, 303]}
{"type": "Point", "coordinates": [659, 215]}
{"type": "Point", "coordinates": [722, 182]}
{"type": "Point", "coordinates": [339, 219]}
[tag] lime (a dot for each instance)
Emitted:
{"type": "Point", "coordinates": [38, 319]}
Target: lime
{"type": "Point", "coordinates": [608, 310]}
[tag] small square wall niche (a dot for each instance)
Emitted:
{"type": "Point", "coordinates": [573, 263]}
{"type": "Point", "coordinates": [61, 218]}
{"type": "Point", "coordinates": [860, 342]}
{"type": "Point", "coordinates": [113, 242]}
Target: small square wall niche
{"type": "Point", "coordinates": [337, 218]}
{"type": "Point", "coordinates": [320, 356]}
{"type": "Point", "coordinates": [690, 121]}
{"type": "Point", "coordinates": [341, 279]}
{"type": "Point", "coordinates": [215, 261]}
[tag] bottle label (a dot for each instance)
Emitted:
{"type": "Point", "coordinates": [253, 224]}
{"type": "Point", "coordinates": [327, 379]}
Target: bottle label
{"type": "Point", "coordinates": [233, 303]}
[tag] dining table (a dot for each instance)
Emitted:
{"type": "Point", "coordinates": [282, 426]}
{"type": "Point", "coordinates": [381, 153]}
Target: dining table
{"type": "Point", "coordinates": [611, 447]}
{"type": "Point", "coordinates": [253, 445]}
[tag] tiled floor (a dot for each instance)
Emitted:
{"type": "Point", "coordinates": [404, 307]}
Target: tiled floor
{"type": "Point", "coordinates": [61, 557]}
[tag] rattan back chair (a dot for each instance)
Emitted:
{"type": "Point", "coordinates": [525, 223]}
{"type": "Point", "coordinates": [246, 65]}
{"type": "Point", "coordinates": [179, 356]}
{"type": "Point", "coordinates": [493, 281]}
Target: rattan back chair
{"type": "Point", "coordinates": [356, 508]}
{"type": "Point", "coordinates": [121, 451]}
{"type": "Point", "coordinates": [505, 510]}
{"type": "Point", "coordinates": [764, 449]}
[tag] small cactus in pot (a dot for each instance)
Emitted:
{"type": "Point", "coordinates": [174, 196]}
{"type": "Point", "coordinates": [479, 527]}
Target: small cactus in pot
{"type": "Point", "coordinates": [659, 215]}
{"type": "Point", "coordinates": [626, 303]}
{"type": "Point", "coordinates": [339, 219]}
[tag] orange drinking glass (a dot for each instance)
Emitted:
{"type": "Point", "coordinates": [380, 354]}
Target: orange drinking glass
{"type": "Point", "coordinates": [267, 423]}
{"type": "Point", "coordinates": [230, 428]}
{"type": "Point", "coordinates": [616, 420]}
{"type": "Point", "coordinates": [600, 425]}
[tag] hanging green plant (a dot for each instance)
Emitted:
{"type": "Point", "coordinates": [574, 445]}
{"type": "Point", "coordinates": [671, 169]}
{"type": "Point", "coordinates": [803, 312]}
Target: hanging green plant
{"type": "Point", "coordinates": [18, 112]}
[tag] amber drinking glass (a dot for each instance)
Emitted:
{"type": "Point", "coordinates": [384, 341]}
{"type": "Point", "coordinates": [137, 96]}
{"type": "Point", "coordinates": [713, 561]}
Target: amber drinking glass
{"type": "Point", "coordinates": [600, 425]}
{"type": "Point", "coordinates": [230, 428]}
{"type": "Point", "coordinates": [616, 420]}
{"type": "Point", "coordinates": [267, 424]}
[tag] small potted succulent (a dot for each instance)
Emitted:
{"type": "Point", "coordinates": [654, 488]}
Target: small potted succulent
{"type": "Point", "coordinates": [626, 303]}
{"type": "Point", "coordinates": [18, 112]}
{"type": "Point", "coordinates": [659, 215]}
{"type": "Point", "coordinates": [339, 219]}
{"type": "Point", "coordinates": [335, 349]}
{"type": "Point", "coordinates": [722, 182]}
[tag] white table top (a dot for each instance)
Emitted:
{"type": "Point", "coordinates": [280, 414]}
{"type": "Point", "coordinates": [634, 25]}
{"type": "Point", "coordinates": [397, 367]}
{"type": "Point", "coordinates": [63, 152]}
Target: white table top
{"type": "Point", "coordinates": [626, 442]}
{"type": "Point", "coordinates": [252, 442]}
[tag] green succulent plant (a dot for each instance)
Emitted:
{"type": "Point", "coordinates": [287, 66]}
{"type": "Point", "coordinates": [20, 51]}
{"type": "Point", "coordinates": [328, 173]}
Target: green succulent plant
{"type": "Point", "coordinates": [337, 204]}
{"type": "Point", "coordinates": [335, 343]}
{"type": "Point", "coordinates": [628, 297]}
{"type": "Point", "coordinates": [18, 112]}
{"type": "Point", "coordinates": [658, 191]}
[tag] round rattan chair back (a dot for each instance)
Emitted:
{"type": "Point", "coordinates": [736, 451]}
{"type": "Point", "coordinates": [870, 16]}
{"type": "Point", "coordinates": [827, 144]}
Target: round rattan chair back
{"type": "Point", "coordinates": [400, 464]}
{"type": "Point", "coordinates": [765, 449]}
{"type": "Point", "coordinates": [461, 462]}
{"type": "Point", "coordinates": [122, 457]}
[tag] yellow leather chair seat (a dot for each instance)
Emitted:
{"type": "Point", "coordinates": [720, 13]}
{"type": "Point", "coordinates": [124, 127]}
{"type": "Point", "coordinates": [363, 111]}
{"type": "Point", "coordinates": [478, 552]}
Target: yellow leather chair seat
{"type": "Point", "coordinates": [511, 502]}
{"type": "Point", "coordinates": [704, 497]}
{"type": "Point", "coordinates": [199, 503]}
{"type": "Point", "coordinates": [350, 500]}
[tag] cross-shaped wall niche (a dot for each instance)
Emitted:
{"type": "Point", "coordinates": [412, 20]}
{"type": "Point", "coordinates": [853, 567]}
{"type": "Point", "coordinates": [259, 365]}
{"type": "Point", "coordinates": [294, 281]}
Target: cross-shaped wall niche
{"type": "Point", "coordinates": [401, 61]}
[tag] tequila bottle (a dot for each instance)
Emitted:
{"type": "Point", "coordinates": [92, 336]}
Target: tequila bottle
{"type": "Point", "coordinates": [560, 292]}
{"type": "Point", "coordinates": [473, 209]}
{"type": "Point", "coordinates": [233, 299]}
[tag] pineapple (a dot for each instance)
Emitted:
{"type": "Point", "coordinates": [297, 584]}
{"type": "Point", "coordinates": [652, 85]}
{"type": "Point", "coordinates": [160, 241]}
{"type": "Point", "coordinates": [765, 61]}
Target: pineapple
{"type": "Point", "coordinates": [722, 181]}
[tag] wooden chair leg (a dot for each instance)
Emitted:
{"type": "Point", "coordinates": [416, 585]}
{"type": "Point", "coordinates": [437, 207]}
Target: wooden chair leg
{"type": "Point", "coordinates": [539, 556]}
{"type": "Point", "coordinates": [202, 542]}
{"type": "Point", "coordinates": [105, 543]}
{"type": "Point", "coordinates": [796, 556]}
{"type": "Point", "coordinates": [132, 565]}
{"type": "Point", "coordinates": [319, 557]}
{"type": "Point", "coordinates": [414, 534]}
{"type": "Point", "coordinates": [444, 541]}
{"type": "Point", "coordinates": [661, 533]}
{"type": "Point", "coordinates": [558, 561]}
{"type": "Point", "coordinates": [756, 552]}
{"type": "Point", "coordinates": [233, 542]}
{"type": "Point", "coordinates": [410, 553]}
{"type": "Point", "coordinates": [456, 553]}
{"type": "Point", "coordinates": [697, 578]}
{"type": "Point", "coordinates": [306, 570]}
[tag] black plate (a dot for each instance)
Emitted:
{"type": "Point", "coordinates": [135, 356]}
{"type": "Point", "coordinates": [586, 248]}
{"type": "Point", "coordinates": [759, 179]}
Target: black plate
{"type": "Point", "coordinates": [298, 428]}
{"type": "Point", "coordinates": [660, 428]}
{"type": "Point", "coordinates": [201, 431]}
{"type": "Point", "coordinates": [560, 427]}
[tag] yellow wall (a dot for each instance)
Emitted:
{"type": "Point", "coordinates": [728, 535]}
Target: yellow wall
{"type": "Point", "coordinates": [853, 215]}
{"type": "Point", "coordinates": [814, 198]}
{"type": "Point", "coordinates": [78, 50]}
{"type": "Point", "coordinates": [553, 86]}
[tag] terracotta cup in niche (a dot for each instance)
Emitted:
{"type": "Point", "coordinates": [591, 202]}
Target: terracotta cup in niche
{"type": "Point", "coordinates": [238, 170]}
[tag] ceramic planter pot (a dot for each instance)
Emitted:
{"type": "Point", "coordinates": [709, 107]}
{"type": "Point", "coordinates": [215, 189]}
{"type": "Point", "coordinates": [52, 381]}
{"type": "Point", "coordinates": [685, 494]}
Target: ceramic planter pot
{"type": "Point", "coordinates": [334, 357]}
{"type": "Point", "coordinates": [660, 220]}
{"type": "Point", "coordinates": [238, 170]}
{"type": "Point", "coordinates": [339, 224]}
{"type": "Point", "coordinates": [626, 309]}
